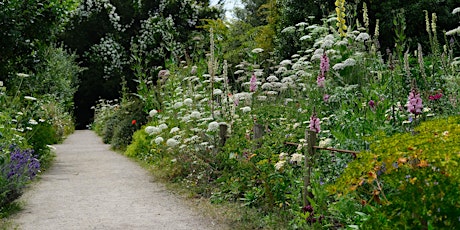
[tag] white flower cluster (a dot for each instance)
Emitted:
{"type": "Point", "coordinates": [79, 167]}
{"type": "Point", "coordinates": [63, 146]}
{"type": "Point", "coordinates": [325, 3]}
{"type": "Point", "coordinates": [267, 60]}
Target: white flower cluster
{"type": "Point", "coordinates": [111, 54]}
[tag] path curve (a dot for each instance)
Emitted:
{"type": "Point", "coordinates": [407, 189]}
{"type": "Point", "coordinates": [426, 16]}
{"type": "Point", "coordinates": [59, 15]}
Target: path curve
{"type": "Point", "coordinates": [91, 187]}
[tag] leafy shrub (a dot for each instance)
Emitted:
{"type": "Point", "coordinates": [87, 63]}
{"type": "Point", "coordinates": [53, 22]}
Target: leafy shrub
{"type": "Point", "coordinates": [119, 125]}
{"type": "Point", "coordinates": [409, 179]}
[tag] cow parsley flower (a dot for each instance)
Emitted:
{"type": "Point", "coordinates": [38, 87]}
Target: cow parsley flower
{"type": "Point", "coordinates": [257, 50]}
{"type": "Point", "coordinates": [163, 126]}
{"type": "Point", "coordinates": [246, 109]}
{"type": "Point", "coordinates": [171, 142]}
{"type": "Point", "coordinates": [296, 158]}
{"type": "Point", "coordinates": [279, 165]}
{"type": "Point", "coordinates": [188, 101]}
{"type": "Point", "coordinates": [174, 129]}
{"type": "Point", "coordinates": [195, 115]}
{"type": "Point", "coordinates": [159, 140]}
{"type": "Point", "coordinates": [153, 112]}
{"type": "Point", "coordinates": [213, 126]}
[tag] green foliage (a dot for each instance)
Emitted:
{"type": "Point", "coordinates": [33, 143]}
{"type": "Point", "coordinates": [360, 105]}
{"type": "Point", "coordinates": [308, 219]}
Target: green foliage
{"type": "Point", "coordinates": [27, 28]}
{"type": "Point", "coordinates": [117, 123]}
{"type": "Point", "coordinates": [406, 170]}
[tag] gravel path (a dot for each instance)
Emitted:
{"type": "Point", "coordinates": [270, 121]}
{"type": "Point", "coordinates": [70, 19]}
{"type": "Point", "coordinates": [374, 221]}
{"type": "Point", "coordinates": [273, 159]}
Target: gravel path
{"type": "Point", "coordinates": [91, 187]}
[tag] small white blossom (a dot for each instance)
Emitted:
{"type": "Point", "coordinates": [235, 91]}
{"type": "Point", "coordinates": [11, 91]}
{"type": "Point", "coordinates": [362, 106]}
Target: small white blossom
{"type": "Point", "coordinates": [213, 126]}
{"type": "Point", "coordinates": [217, 92]}
{"type": "Point", "coordinates": [177, 105]}
{"type": "Point", "coordinates": [195, 114]}
{"type": "Point", "coordinates": [188, 101]}
{"type": "Point", "coordinates": [246, 109]}
{"type": "Point", "coordinates": [171, 142]}
{"type": "Point", "coordinates": [363, 37]}
{"type": "Point", "coordinates": [30, 98]}
{"type": "Point", "coordinates": [297, 158]}
{"type": "Point", "coordinates": [33, 122]}
{"type": "Point", "coordinates": [283, 156]}
{"type": "Point", "coordinates": [159, 140]}
{"type": "Point", "coordinates": [174, 129]}
{"type": "Point", "coordinates": [279, 165]}
{"type": "Point", "coordinates": [163, 126]}
{"type": "Point", "coordinates": [257, 50]}
{"type": "Point", "coordinates": [153, 112]}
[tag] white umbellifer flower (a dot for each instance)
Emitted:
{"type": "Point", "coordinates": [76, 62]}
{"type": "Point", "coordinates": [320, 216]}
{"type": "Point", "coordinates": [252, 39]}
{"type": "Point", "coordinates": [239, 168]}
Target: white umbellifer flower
{"type": "Point", "coordinates": [272, 78]}
{"type": "Point", "coordinates": [338, 66]}
{"type": "Point", "coordinates": [188, 101]}
{"type": "Point", "coordinates": [177, 105]}
{"type": "Point", "coordinates": [22, 75]}
{"type": "Point", "coordinates": [246, 109]}
{"type": "Point", "coordinates": [257, 50]}
{"type": "Point", "coordinates": [174, 129]}
{"type": "Point", "coordinates": [349, 62]}
{"type": "Point", "coordinates": [305, 37]}
{"type": "Point", "coordinates": [325, 143]}
{"type": "Point", "coordinates": [41, 120]}
{"type": "Point", "coordinates": [287, 79]}
{"type": "Point", "coordinates": [239, 72]}
{"type": "Point", "coordinates": [363, 37]}
{"type": "Point", "coordinates": [1, 83]}
{"type": "Point", "coordinates": [456, 10]}
{"type": "Point", "coordinates": [279, 165]}
{"type": "Point", "coordinates": [195, 114]}
{"type": "Point", "coordinates": [163, 126]}
{"type": "Point", "coordinates": [283, 156]}
{"type": "Point", "coordinates": [33, 122]}
{"type": "Point", "coordinates": [149, 129]}
{"type": "Point", "coordinates": [262, 98]}
{"type": "Point", "coordinates": [296, 158]}
{"type": "Point", "coordinates": [153, 112]}
{"type": "Point", "coordinates": [171, 142]}
{"type": "Point", "coordinates": [289, 29]}
{"type": "Point", "coordinates": [267, 86]}
{"type": "Point", "coordinates": [327, 43]}
{"type": "Point", "coordinates": [272, 92]}
{"type": "Point", "coordinates": [281, 69]}
{"type": "Point", "coordinates": [217, 92]}
{"type": "Point", "coordinates": [159, 140]}
{"type": "Point", "coordinates": [213, 126]}
{"type": "Point", "coordinates": [315, 57]}
{"type": "Point", "coordinates": [30, 98]}
{"type": "Point", "coordinates": [285, 62]}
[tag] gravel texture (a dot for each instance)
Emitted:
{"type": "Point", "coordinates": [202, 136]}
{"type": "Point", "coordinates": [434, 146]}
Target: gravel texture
{"type": "Point", "coordinates": [91, 187]}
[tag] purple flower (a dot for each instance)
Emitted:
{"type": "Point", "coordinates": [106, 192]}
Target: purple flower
{"type": "Point", "coordinates": [371, 104]}
{"type": "Point", "coordinates": [320, 80]}
{"type": "Point", "coordinates": [414, 102]}
{"type": "Point", "coordinates": [314, 123]}
{"type": "Point", "coordinates": [324, 64]}
{"type": "Point", "coordinates": [253, 83]}
{"type": "Point", "coordinates": [326, 97]}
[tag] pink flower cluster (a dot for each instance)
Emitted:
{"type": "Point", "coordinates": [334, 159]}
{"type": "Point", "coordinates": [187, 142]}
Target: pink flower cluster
{"type": "Point", "coordinates": [314, 123]}
{"type": "Point", "coordinates": [320, 81]}
{"type": "Point", "coordinates": [324, 67]}
{"type": "Point", "coordinates": [253, 83]}
{"type": "Point", "coordinates": [414, 102]}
